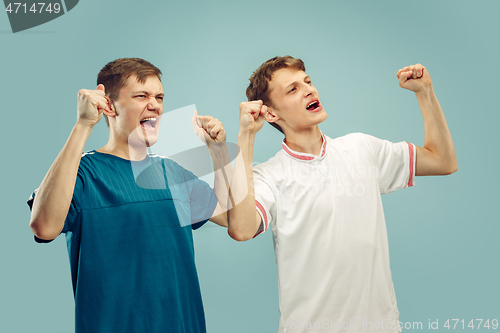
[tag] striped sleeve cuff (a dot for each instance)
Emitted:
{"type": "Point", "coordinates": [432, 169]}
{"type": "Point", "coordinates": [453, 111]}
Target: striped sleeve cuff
{"type": "Point", "coordinates": [263, 215]}
{"type": "Point", "coordinates": [413, 161]}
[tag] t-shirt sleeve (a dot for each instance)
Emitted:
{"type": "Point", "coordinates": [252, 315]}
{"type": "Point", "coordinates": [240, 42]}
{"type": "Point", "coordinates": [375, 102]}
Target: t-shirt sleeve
{"type": "Point", "coordinates": [73, 211]}
{"type": "Point", "coordinates": [265, 199]}
{"type": "Point", "coordinates": [395, 163]}
{"type": "Point", "coordinates": [202, 200]}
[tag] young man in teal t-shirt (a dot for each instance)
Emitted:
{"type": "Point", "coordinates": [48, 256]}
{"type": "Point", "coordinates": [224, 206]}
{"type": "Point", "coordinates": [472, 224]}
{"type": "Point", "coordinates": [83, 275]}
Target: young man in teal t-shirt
{"type": "Point", "coordinates": [129, 232]}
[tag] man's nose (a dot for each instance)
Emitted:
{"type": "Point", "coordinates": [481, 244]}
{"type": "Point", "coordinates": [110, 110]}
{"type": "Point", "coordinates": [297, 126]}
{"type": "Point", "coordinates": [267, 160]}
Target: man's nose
{"type": "Point", "coordinates": [153, 104]}
{"type": "Point", "coordinates": [308, 90]}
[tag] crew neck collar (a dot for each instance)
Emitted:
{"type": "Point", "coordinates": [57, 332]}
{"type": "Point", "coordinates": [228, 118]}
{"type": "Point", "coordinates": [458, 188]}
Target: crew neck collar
{"type": "Point", "coordinates": [305, 156]}
{"type": "Point", "coordinates": [143, 161]}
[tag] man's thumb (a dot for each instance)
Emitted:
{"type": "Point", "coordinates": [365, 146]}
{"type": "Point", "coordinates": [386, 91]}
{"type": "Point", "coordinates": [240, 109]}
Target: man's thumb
{"type": "Point", "coordinates": [101, 87]}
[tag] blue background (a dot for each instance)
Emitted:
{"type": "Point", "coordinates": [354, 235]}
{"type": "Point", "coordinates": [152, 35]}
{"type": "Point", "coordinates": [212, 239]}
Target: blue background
{"type": "Point", "coordinates": [443, 232]}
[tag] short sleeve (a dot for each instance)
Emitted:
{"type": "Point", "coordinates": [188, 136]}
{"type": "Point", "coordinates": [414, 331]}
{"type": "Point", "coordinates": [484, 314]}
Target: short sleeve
{"type": "Point", "coordinates": [265, 199]}
{"type": "Point", "coordinates": [202, 198]}
{"type": "Point", "coordinates": [395, 163]}
{"type": "Point", "coordinates": [194, 199]}
{"type": "Point", "coordinates": [73, 211]}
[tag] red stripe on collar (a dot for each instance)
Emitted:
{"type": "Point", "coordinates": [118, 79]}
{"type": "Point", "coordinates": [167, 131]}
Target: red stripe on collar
{"type": "Point", "coordinates": [303, 156]}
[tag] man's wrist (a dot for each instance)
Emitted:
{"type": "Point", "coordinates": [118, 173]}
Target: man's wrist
{"type": "Point", "coordinates": [83, 128]}
{"type": "Point", "coordinates": [246, 137]}
{"type": "Point", "coordinates": [425, 92]}
{"type": "Point", "coordinates": [217, 147]}
{"type": "Point", "coordinates": [218, 152]}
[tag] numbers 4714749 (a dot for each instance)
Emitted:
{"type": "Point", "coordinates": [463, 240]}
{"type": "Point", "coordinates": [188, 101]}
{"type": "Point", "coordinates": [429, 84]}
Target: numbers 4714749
{"type": "Point", "coordinates": [474, 323]}
{"type": "Point", "coordinates": [36, 8]}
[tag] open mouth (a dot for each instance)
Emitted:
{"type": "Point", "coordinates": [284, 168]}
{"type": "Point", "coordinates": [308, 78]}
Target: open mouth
{"type": "Point", "coordinates": [149, 123]}
{"type": "Point", "coordinates": [313, 106]}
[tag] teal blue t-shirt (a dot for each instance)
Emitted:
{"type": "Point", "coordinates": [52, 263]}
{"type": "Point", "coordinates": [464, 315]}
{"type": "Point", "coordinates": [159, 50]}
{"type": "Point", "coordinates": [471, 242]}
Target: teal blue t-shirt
{"type": "Point", "coordinates": [130, 243]}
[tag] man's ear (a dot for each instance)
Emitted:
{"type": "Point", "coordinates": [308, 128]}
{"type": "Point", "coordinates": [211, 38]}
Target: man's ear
{"type": "Point", "coordinates": [112, 112]}
{"type": "Point", "coordinates": [271, 115]}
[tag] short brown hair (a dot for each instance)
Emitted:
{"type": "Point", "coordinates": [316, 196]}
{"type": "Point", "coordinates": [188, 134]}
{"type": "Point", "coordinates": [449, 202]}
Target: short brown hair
{"type": "Point", "coordinates": [259, 81]}
{"type": "Point", "coordinates": [114, 75]}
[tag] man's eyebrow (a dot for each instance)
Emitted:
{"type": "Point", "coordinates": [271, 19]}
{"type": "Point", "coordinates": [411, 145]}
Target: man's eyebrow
{"type": "Point", "coordinates": [295, 82]}
{"type": "Point", "coordinates": [290, 85]}
{"type": "Point", "coordinates": [146, 93]}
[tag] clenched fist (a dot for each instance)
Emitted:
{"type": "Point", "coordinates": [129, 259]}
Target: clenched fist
{"type": "Point", "coordinates": [414, 78]}
{"type": "Point", "coordinates": [252, 116]}
{"type": "Point", "coordinates": [91, 104]}
{"type": "Point", "coordinates": [208, 128]}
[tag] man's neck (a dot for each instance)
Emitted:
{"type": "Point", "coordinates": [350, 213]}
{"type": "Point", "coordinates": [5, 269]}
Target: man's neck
{"type": "Point", "coordinates": [124, 151]}
{"type": "Point", "coordinates": [306, 141]}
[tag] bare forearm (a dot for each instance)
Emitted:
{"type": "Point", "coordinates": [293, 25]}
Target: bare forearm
{"type": "Point", "coordinates": [54, 195]}
{"type": "Point", "coordinates": [437, 140]}
{"type": "Point", "coordinates": [242, 220]}
{"type": "Point", "coordinates": [223, 170]}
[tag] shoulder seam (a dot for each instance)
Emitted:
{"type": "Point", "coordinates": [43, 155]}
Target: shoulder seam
{"type": "Point", "coordinates": [88, 153]}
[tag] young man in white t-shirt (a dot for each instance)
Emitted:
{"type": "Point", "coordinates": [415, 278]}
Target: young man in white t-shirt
{"type": "Point", "coordinates": [321, 199]}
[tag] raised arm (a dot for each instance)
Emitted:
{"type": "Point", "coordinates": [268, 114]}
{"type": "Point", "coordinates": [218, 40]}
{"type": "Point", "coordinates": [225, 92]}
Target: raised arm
{"type": "Point", "coordinates": [437, 156]}
{"type": "Point", "coordinates": [211, 131]}
{"type": "Point", "coordinates": [243, 219]}
{"type": "Point", "coordinates": [53, 197]}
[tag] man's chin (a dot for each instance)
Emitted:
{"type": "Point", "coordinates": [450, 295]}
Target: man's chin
{"type": "Point", "coordinates": [320, 117]}
{"type": "Point", "coordinates": [151, 143]}
{"type": "Point", "coordinates": [142, 141]}
{"type": "Point", "coordinates": [325, 116]}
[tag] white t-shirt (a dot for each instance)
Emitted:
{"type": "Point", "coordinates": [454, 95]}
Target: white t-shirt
{"type": "Point", "coordinates": [329, 232]}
